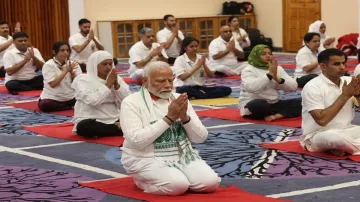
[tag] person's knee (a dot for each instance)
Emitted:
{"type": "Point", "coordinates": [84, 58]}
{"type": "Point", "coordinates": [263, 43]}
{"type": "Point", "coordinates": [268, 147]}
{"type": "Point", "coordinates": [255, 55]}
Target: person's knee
{"type": "Point", "coordinates": [174, 186]}
{"type": "Point", "coordinates": [82, 128]}
{"type": "Point", "coordinates": [226, 90]}
{"type": "Point", "coordinates": [206, 184]}
{"type": "Point", "coordinates": [331, 140]}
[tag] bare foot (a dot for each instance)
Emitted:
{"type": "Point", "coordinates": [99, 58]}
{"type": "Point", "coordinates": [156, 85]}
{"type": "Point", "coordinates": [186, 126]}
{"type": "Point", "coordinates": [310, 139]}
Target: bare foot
{"type": "Point", "coordinates": [269, 118]}
{"type": "Point", "coordinates": [117, 124]}
{"type": "Point", "coordinates": [337, 152]}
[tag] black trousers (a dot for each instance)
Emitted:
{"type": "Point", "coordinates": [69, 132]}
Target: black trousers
{"type": "Point", "coordinates": [91, 128]}
{"type": "Point", "coordinates": [261, 108]}
{"type": "Point", "coordinates": [83, 67]}
{"type": "Point", "coordinates": [2, 72]}
{"type": "Point", "coordinates": [204, 92]}
{"type": "Point", "coordinates": [302, 81]}
{"type": "Point", "coordinates": [36, 83]}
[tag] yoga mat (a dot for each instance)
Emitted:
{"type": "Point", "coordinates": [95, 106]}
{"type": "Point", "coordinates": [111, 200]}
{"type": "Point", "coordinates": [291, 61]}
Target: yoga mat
{"type": "Point", "coordinates": [294, 146]}
{"type": "Point", "coordinates": [288, 66]}
{"type": "Point", "coordinates": [128, 80]}
{"type": "Point", "coordinates": [33, 106]}
{"type": "Point", "coordinates": [234, 115]}
{"type": "Point", "coordinates": [232, 77]}
{"type": "Point", "coordinates": [216, 101]}
{"type": "Point", "coordinates": [126, 187]}
{"type": "Point", "coordinates": [37, 93]}
{"type": "Point", "coordinates": [64, 131]}
{"type": "Point", "coordinates": [349, 68]}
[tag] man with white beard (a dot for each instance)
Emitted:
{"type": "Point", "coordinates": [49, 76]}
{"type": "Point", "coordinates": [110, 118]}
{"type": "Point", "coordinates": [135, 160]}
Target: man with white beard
{"type": "Point", "coordinates": [158, 127]}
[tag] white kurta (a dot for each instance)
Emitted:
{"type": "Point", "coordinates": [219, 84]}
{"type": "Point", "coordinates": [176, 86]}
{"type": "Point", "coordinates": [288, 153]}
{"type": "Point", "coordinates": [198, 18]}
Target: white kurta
{"type": "Point", "coordinates": [151, 173]}
{"type": "Point", "coordinates": [339, 133]}
{"type": "Point", "coordinates": [183, 64]}
{"type": "Point", "coordinates": [137, 53]}
{"type": "Point", "coordinates": [27, 72]}
{"type": "Point", "coordinates": [77, 40]}
{"type": "Point", "coordinates": [174, 49]}
{"type": "Point", "coordinates": [4, 40]}
{"type": "Point", "coordinates": [256, 85]}
{"type": "Point", "coordinates": [303, 58]}
{"type": "Point", "coordinates": [227, 64]}
{"type": "Point", "coordinates": [63, 91]}
{"type": "Point", "coordinates": [237, 35]}
{"type": "Point", "coordinates": [96, 101]}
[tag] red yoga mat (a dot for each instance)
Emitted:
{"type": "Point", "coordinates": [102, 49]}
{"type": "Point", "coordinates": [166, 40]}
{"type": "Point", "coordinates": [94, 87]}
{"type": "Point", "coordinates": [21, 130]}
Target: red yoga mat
{"type": "Point", "coordinates": [130, 81]}
{"type": "Point", "coordinates": [64, 131]}
{"type": "Point", "coordinates": [126, 187]}
{"type": "Point", "coordinates": [37, 93]}
{"type": "Point", "coordinates": [232, 77]}
{"type": "Point", "coordinates": [234, 115]}
{"type": "Point", "coordinates": [33, 106]}
{"type": "Point", "coordinates": [349, 68]}
{"type": "Point", "coordinates": [288, 66]}
{"type": "Point", "coordinates": [294, 146]}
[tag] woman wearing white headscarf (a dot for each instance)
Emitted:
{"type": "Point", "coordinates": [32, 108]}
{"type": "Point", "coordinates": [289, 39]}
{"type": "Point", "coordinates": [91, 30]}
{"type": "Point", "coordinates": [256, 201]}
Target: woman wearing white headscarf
{"type": "Point", "coordinates": [99, 94]}
{"type": "Point", "coordinates": [320, 28]}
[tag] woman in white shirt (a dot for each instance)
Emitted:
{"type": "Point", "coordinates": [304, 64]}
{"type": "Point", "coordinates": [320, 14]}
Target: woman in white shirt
{"type": "Point", "coordinates": [190, 69]}
{"type": "Point", "coordinates": [58, 73]}
{"type": "Point", "coordinates": [99, 94]}
{"type": "Point", "coordinates": [239, 34]}
{"type": "Point", "coordinates": [261, 81]}
{"type": "Point", "coordinates": [325, 40]}
{"type": "Point", "coordinates": [307, 66]}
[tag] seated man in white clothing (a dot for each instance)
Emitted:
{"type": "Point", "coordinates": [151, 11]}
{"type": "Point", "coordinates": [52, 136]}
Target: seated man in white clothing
{"type": "Point", "coordinates": [159, 127]}
{"type": "Point", "coordinates": [21, 64]}
{"type": "Point", "coordinates": [328, 108]}
{"type": "Point", "coordinates": [223, 53]}
{"type": "Point", "coordinates": [144, 52]}
{"type": "Point", "coordinates": [6, 42]}
{"type": "Point", "coordinates": [307, 66]}
{"type": "Point", "coordinates": [98, 95]}
{"type": "Point", "coordinates": [83, 44]}
{"type": "Point", "coordinates": [171, 38]}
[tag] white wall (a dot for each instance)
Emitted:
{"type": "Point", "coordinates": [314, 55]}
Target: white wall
{"type": "Point", "coordinates": [105, 36]}
{"type": "Point", "coordinates": [76, 12]}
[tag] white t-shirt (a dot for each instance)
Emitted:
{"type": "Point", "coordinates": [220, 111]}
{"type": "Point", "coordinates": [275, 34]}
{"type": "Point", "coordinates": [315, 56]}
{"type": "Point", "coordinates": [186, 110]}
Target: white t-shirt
{"type": "Point", "coordinates": [183, 64]}
{"type": "Point", "coordinates": [217, 45]}
{"type": "Point", "coordinates": [174, 49]}
{"type": "Point", "coordinates": [321, 93]}
{"type": "Point", "coordinates": [237, 35]}
{"type": "Point", "coordinates": [3, 40]}
{"type": "Point", "coordinates": [357, 70]}
{"type": "Point", "coordinates": [139, 52]}
{"type": "Point", "coordinates": [303, 58]}
{"type": "Point", "coordinates": [63, 91]}
{"type": "Point", "coordinates": [77, 40]}
{"type": "Point", "coordinates": [256, 85]}
{"type": "Point", "coordinates": [13, 57]}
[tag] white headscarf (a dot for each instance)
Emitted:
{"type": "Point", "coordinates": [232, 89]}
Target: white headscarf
{"type": "Point", "coordinates": [93, 61]}
{"type": "Point", "coordinates": [315, 27]}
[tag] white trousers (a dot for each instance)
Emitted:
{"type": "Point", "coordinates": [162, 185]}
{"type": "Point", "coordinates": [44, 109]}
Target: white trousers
{"type": "Point", "coordinates": [153, 176]}
{"type": "Point", "coordinates": [347, 139]}
{"type": "Point", "coordinates": [136, 75]}
{"type": "Point", "coordinates": [230, 70]}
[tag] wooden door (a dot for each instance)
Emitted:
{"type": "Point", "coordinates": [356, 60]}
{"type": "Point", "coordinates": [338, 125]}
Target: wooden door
{"type": "Point", "coordinates": [124, 38]}
{"type": "Point", "coordinates": [187, 26]}
{"type": "Point", "coordinates": [142, 24]}
{"type": "Point", "coordinates": [207, 30]}
{"type": "Point", "coordinates": [297, 16]}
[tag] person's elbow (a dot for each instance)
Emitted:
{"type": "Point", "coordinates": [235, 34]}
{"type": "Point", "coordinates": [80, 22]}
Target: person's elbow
{"type": "Point", "coordinates": [321, 122]}
{"type": "Point", "coordinates": [9, 72]}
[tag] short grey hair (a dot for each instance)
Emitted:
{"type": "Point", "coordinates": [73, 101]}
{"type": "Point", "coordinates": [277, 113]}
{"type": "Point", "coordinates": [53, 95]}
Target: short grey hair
{"type": "Point", "coordinates": [154, 65]}
{"type": "Point", "coordinates": [144, 30]}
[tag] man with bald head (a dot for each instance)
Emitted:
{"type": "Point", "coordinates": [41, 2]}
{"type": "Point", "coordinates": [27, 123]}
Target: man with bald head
{"type": "Point", "coordinates": [158, 127]}
{"type": "Point", "coordinates": [144, 52]}
{"type": "Point", "coordinates": [224, 52]}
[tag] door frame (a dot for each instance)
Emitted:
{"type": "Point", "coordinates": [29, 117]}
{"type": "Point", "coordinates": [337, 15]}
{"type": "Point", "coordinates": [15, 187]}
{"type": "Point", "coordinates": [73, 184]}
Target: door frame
{"type": "Point", "coordinates": [284, 4]}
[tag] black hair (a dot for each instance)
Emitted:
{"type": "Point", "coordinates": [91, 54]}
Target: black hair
{"type": "Point", "coordinates": [309, 36]}
{"type": "Point", "coordinates": [187, 41]}
{"type": "Point", "coordinates": [57, 45]}
{"type": "Point", "coordinates": [83, 21]}
{"type": "Point", "coordinates": [20, 35]}
{"type": "Point", "coordinates": [325, 55]}
{"type": "Point", "coordinates": [115, 61]}
{"type": "Point", "coordinates": [231, 18]}
{"type": "Point", "coordinates": [167, 16]}
{"type": "Point", "coordinates": [4, 23]}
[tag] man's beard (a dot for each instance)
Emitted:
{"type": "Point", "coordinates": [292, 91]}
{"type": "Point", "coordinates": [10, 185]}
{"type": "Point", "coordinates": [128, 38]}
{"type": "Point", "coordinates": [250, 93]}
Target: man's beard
{"type": "Point", "coordinates": [162, 95]}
